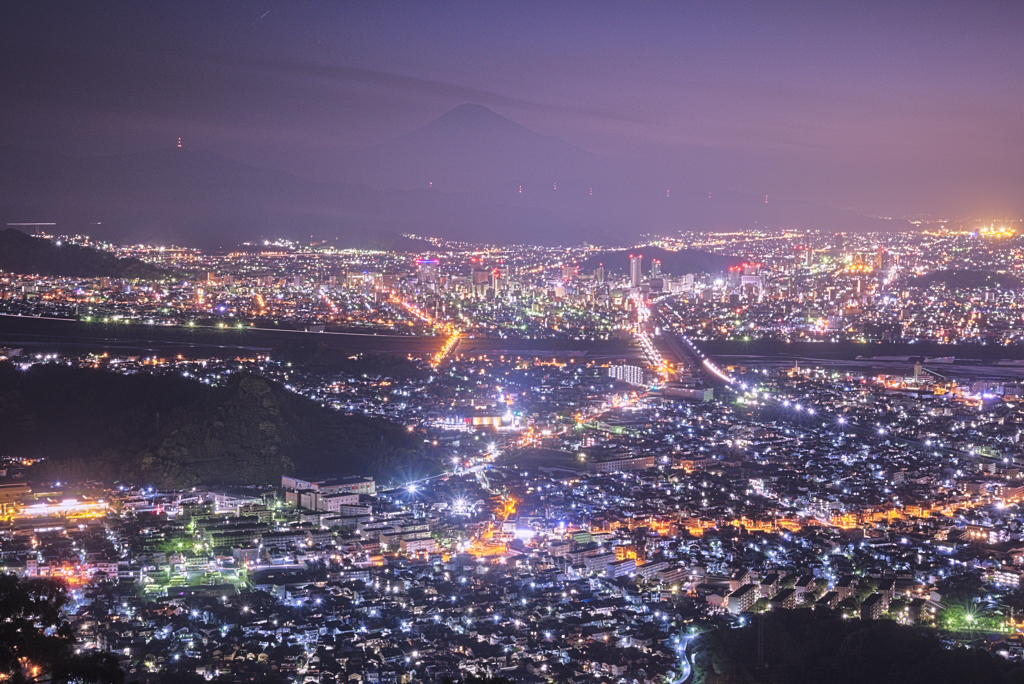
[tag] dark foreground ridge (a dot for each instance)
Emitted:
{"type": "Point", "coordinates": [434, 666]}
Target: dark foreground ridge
{"type": "Point", "coordinates": [21, 253]}
{"type": "Point", "coordinates": [808, 647]}
{"type": "Point", "coordinates": [171, 431]}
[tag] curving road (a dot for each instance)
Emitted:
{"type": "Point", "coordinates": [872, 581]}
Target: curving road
{"type": "Point", "coordinates": [685, 666]}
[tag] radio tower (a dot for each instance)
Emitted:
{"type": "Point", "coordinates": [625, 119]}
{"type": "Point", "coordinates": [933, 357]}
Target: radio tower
{"type": "Point", "coordinates": [179, 141]}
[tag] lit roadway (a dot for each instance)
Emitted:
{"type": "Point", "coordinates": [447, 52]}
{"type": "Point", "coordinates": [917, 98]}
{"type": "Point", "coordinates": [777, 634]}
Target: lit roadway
{"type": "Point", "coordinates": [685, 666]}
{"type": "Point", "coordinates": [684, 348]}
{"type": "Point", "coordinates": [686, 352]}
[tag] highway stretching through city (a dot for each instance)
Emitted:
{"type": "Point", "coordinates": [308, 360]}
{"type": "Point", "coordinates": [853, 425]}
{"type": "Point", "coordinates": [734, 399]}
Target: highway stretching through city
{"type": "Point", "coordinates": [689, 354]}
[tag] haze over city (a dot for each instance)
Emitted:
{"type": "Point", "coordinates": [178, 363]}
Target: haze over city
{"type": "Point", "coordinates": [901, 110]}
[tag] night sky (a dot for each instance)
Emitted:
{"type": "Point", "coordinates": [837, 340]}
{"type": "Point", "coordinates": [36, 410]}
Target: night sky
{"type": "Point", "coordinates": [889, 108]}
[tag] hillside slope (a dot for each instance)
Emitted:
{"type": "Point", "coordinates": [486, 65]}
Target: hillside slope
{"type": "Point", "coordinates": [170, 431]}
{"type": "Point", "coordinates": [24, 254]}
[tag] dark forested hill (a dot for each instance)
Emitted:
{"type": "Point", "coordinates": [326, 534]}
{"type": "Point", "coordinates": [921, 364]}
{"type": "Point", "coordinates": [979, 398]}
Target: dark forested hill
{"type": "Point", "coordinates": [24, 254]}
{"type": "Point", "coordinates": [809, 647]}
{"type": "Point", "coordinates": [165, 430]}
{"type": "Point", "coordinates": [964, 280]}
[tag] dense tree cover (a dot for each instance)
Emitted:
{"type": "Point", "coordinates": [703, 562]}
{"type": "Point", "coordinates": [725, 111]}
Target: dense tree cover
{"type": "Point", "coordinates": [964, 587]}
{"type": "Point", "coordinates": [808, 647]}
{"type": "Point", "coordinates": [171, 431]}
{"type": "Point", "coordinates": [36, 640]}
{"type": "Point", "coordinates": [21, 253]}
{"type": "Point", "coordinates": [963, 280]}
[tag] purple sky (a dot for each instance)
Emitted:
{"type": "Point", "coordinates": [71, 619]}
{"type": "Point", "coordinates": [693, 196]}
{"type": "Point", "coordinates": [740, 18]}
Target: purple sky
{"type": "Point", "coordinates": [890, 108]}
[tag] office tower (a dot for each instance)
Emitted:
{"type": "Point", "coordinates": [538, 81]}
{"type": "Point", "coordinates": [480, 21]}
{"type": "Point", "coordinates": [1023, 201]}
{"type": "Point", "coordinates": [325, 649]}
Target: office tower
{"type": "Point", "coordinates": [634, 269]}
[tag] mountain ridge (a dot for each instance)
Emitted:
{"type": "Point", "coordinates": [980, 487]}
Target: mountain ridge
{"type": "Point", "coordinates": [468, 149]}
{"type": "Point", "coordinates": [202, 198]}
{"type": "Point", "coordinates": [497, 182]}
{"type": "Point", "coordinates": [24, 254]}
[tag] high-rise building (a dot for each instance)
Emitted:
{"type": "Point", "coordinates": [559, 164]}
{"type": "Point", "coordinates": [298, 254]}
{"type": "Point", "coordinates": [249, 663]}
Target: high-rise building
{"type": "Point", "coordinates": [655, 268]}
{"type": "Point", "coordinates": [426, 270]}
{"type": "Point", "coordinates": [634, 269]}
{"type": "Point", "coordinates": [634, 375]}
{"type": "Point", "coordinates": [499, 278]}
{"type": "Point", "coordinates": [882, 258]}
